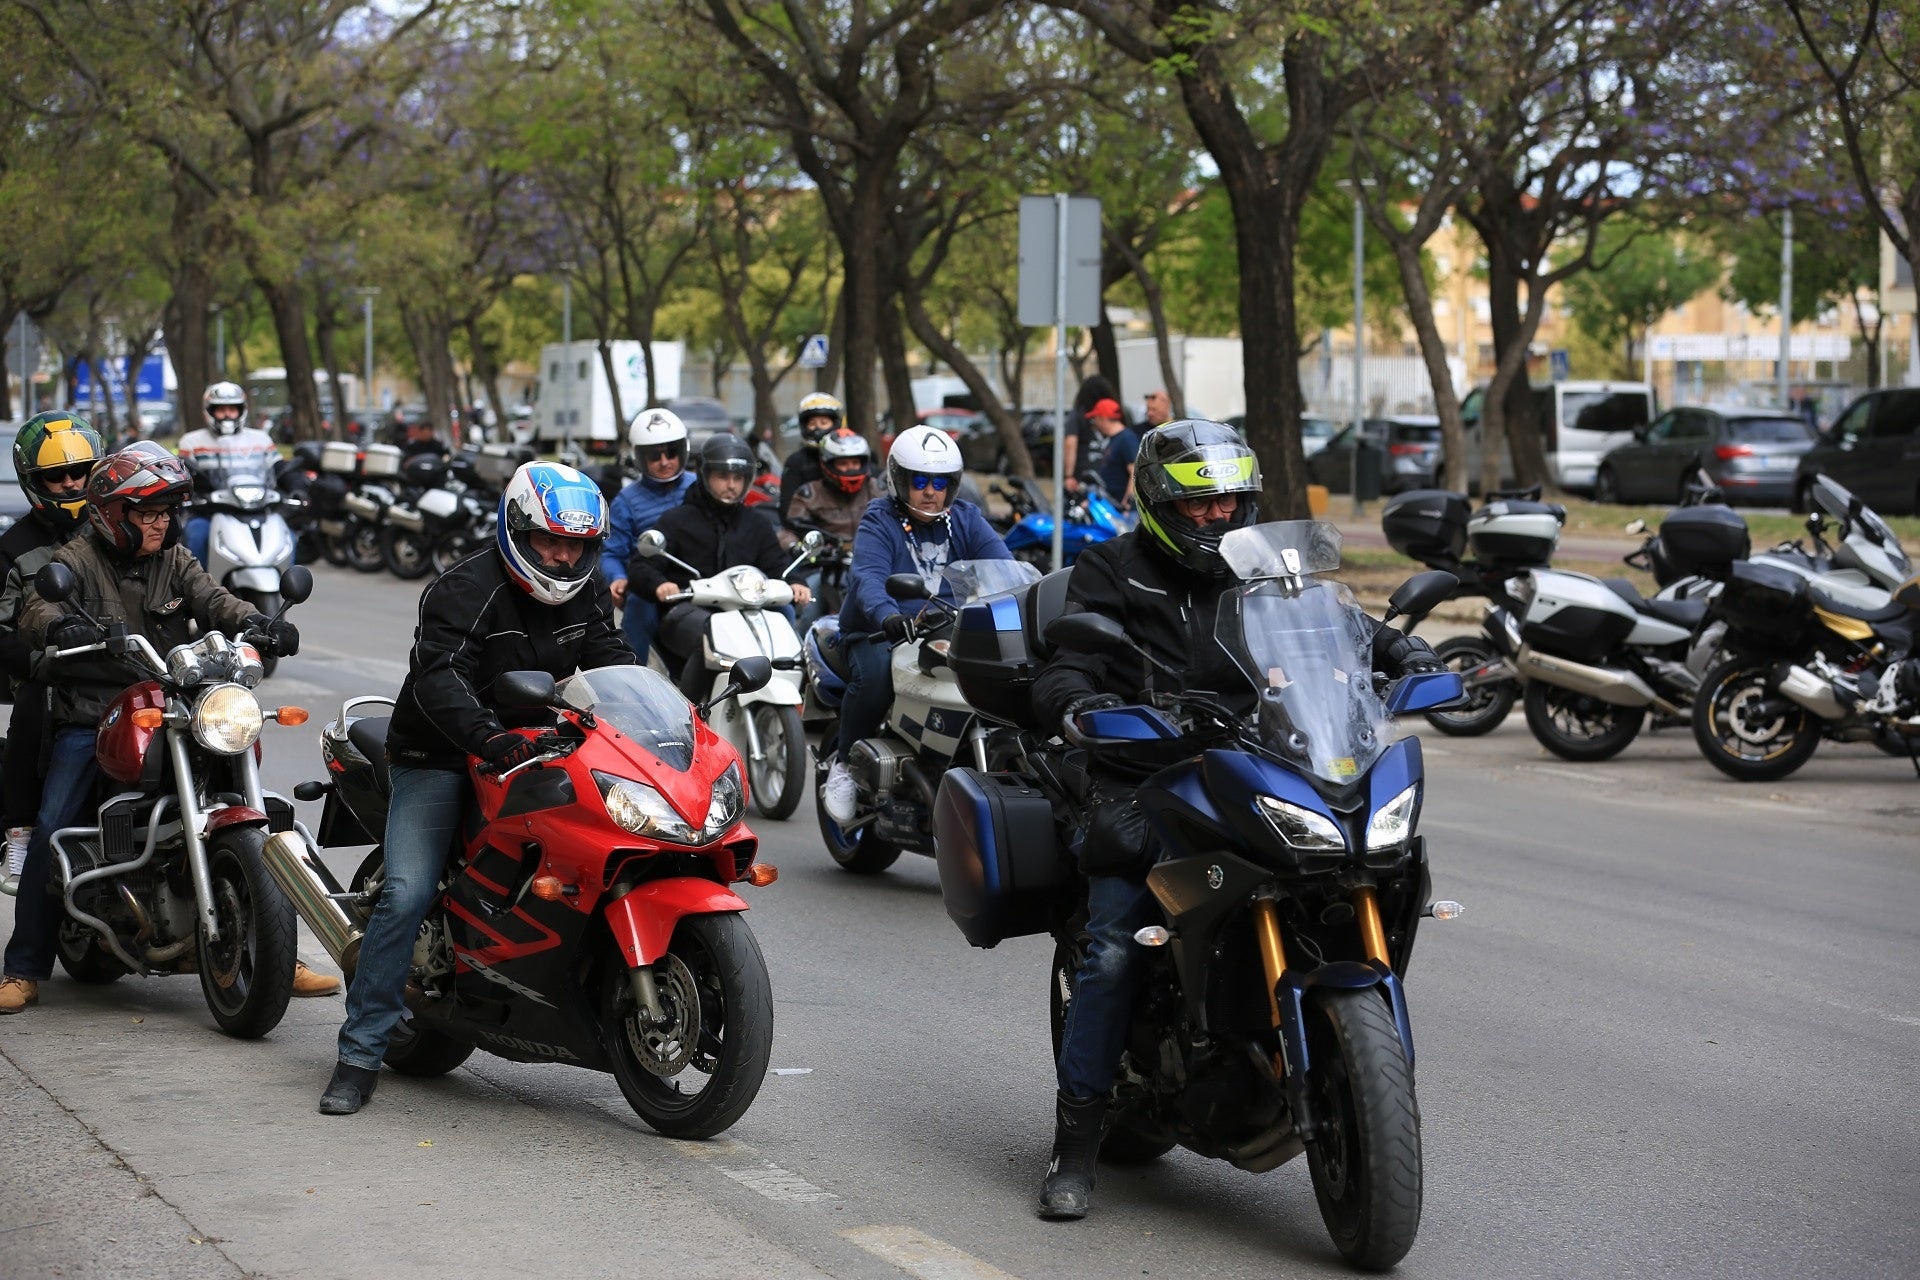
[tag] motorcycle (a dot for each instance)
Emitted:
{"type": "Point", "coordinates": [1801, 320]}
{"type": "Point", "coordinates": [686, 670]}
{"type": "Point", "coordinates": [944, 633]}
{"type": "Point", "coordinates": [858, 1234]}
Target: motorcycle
{"type": "Point", "coordinates": [1091, 517]}
{"type": "Point", "coordinates": [590, 919]}
{"type": "Point", "coordinates": [249, 543]}
{"type": "Point", "coordinates": [171, 876]}
{"type": "Point", "coordinates": [764, 725]}
{"type": "Point", "coordinates": [929, 725]}
{"type": "Point", "coordinates": [1808, 656]}
{"type": "Point", "coordinates": [1272, 1019]}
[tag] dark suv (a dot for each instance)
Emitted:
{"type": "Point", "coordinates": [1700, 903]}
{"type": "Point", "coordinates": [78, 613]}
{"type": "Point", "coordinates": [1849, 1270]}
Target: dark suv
{"type": "Point", "coordinates": [1873, 449]}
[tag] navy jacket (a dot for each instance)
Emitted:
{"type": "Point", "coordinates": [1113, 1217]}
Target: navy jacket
{"type": "Point", "coordinates": [882, 547]}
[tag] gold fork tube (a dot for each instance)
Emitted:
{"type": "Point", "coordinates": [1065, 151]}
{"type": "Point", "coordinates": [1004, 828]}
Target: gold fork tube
{"type": "Point", "coordinates": [1273, 952]}
{"type": "Point", "coordinates": [1373, 937]}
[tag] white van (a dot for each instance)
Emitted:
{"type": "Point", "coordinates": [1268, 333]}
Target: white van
{"type": "Point", "coordinates": [1579, 423]}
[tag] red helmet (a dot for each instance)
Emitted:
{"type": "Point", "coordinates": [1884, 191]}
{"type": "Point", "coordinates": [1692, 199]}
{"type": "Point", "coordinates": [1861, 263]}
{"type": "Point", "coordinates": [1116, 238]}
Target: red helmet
{"type": "Point", "coordinates": [140, 475]}
{"type": "Point", "coordinates": [846, 460]}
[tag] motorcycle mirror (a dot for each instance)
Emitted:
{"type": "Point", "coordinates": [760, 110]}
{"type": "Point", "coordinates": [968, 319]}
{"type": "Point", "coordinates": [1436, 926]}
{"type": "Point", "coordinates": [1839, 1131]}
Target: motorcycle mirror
{"type": "Point", "coordinates": [524, 689]}
{"type": "Point", "coordinates": [814, 540]}
{"type": "Point", "coordinates": [1087, 632]}
{"type": "Point", "coordinates": [651, 543]}
{"type": "Point", "coordinates": [55, 582]}
{"type": "Point", "coordinates": [1420, 593]}
{"type": "Point", "coordinates": [907, 586]}
{"type": "Point", "coordinates": [749, 673]}
{"type": "Point", "coordinates": [296, 584]}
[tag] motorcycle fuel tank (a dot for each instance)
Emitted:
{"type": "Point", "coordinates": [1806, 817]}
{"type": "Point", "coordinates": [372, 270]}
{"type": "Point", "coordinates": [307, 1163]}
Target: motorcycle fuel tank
{"type": "Point", "coordinates": [122, 745]}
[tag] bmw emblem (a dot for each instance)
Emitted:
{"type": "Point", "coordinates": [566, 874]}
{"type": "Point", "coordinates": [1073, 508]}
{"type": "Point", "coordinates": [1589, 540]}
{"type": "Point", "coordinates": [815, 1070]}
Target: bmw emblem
{"type": "Point", "coordinates": [113, 718]}
{"type": "Point", "coordinates": [1215, 877]}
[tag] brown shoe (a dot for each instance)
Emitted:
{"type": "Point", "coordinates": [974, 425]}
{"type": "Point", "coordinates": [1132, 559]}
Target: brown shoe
{"type": "Point", "coordinates": [308, 983]}
{"type": "Point", "coordinates": [17, 993]}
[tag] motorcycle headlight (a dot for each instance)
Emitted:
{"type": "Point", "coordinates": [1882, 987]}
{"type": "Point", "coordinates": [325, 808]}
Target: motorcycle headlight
{"type": "Point", "coordinates": [751, 584]}
{"type": "Point", "coordinates": [724, 810]}
{"type": "Point", "coordinates": [1303, 829]}
{"type": "Point", "coordinates": [641, 809]}
{"type": "Point", "coordinates": [1393, 823]}
{"type": "Point", "coordinates": [226, 719]}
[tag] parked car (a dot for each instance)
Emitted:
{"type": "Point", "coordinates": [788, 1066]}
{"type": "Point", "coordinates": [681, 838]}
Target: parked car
{"type": "Point", "coordinates": [704, 417]}
{"type": "Point", "coordinates": [13, 502]}
{"type": "Point", "coordinates": [1408, 446]}
{"type": "Point", "coordinates": [1751, 454]}
{"type": "Point", "coordinates": [973, 431]}
{"type": "Point", "coordinates": [1580, 422]}
{"type": "Point", "coordinates": [1873, 449]}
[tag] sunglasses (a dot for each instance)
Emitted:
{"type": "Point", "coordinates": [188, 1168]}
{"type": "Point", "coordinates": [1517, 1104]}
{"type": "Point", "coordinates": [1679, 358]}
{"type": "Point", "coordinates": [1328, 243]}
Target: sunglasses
{"type": "Point", "coordinates": [661, 453]}
{"type": "Point", "coordinates": [67, 475]}
{"type": "Point", "coordinates": [936, 483]}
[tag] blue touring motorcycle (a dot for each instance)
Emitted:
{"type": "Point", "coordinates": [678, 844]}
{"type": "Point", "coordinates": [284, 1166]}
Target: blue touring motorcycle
{"type": "Point", "coordinates": [1291, 877]}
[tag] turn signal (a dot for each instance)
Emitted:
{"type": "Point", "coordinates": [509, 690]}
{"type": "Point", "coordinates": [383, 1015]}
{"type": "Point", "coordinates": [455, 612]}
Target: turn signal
{"type": "Point", "coordinates": [1153, 935]}
{"type": "Point", "coordinates": [762, 874]}
{"type": "Point", "coordinates": [1446, 909]}
{"type": "Point", "coordinates": [548, 887]}
{"type": "Point", "coordinates": [149, 718]}
{"type": "Point", "coordinates": [291, 715]}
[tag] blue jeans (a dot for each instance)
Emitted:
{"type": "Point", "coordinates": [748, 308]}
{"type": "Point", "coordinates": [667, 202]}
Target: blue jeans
{"type": "Point", "coordinates": [1102, 1006]}
{"type": "Point", "coordinates": [422, 821]}
{"type": "Point", "coordinates": [36, 916]}
{"type": "Point", "coordinates": [199, 530]}
{"type": "Point", "coordinates": [816, 608]}
{"type": "Point", "coordinates": [640, 622]}
{"type": "Point", "coordinates": [863, 708]}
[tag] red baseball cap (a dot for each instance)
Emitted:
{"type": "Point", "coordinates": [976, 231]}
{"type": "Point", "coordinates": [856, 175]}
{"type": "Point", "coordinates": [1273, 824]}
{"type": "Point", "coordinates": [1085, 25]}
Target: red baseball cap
{"type": "Point", "coordinates": [1105, 409]}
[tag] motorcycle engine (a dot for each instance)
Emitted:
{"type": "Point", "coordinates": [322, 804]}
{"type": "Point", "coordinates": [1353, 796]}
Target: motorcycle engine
{"type": "Point", "coordinates": [432, 952]}
{"type": "Point", "coordinates": [875, 764]}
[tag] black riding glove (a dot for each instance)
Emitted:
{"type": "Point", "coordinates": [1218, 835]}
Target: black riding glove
{"type": "Point", "coordinates": [277, 638]}
{"type": "Point", "coordinates": [504, 751]}
{"type": "Point", "coordinates": [72, 632]}
{"type": "Point", "coordinates": [1398, 654]}
{"type": "Point", "coordinates": [1090, 702]}
{"type": "Point", "coordinates": [897, 627]}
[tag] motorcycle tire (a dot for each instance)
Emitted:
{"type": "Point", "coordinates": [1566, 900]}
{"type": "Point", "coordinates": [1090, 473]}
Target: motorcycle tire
{"type": "Point", "coordinates": [405, 554]}
{"type": "Point", "coordinates": [247, 976]}
{"type": "Point", "coordinates": [450, 550]}
{"type": "Point", "coordinates": [778, 783]}
{"type": "Point", "coordinates": [1365, 1162]}
{"type": "Point", "coordinates": [1488, 705]}
{"type": "Point", "coordinates": [714, 962]}
{"type": "Point", "coordinates": [363, 548]}
{"type": "Point", "coordinates": [334, 551]}
{"type": "Point", "coordinates": [84, 957]}
{"type": "Point", "coordinates": [861, 852]}
{"type": "Point", "coordinates": [1576, 727]}
{"type": "Point", "coordinates": [1125, 1142]}
{"type": "Point", "coordinates": [1747, 732]}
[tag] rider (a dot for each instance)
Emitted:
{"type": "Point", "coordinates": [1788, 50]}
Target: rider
{"type": "Point", "coordinates": [657, 447]}
{"type": "Point", "coordinates": [820, 415]}
{"type": "Point", "coordinates": [711, 531]}
{"type": "Point", "coordinates": [131, 554]}
{"type": "Point", "coordinates": [538, 605]}
{"type": "Point", "coordinates": [834, 503]}
{"type": "Point", "coordinates": [52, 454]}
{"type": "Point", "coordinates": [922, 528]}
{"type": "Point", "coordinates": [225, 446]}
{"type": "Point", "coordinates": [1195, 482]}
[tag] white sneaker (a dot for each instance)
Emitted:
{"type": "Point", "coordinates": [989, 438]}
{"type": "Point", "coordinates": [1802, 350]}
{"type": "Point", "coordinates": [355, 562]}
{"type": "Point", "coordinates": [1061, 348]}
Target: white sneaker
{"type": "Point", "coordinates": [17, 838]}
{"type": "Point", "coordinates": [839, 796]}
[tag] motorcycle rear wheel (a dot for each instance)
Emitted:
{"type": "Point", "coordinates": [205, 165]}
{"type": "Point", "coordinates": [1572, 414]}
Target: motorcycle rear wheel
{"type": "Point", "coordinates": [1365, 1162]}
{"type": "Point", "coordinates": [719, 1004]}
{"type": "Point", "coordinates": [405, 553]}
{"type": "Point", "coordinates": [333, 550]}
{"type": "Point", "coordinates": [1487, 705]}
{"type": "Point", "coordinates": [363, 547]}
{"type": "Point", "coordinates": [450, 550]}
{"type": "Point", "coordinates": [1576, 727]}
{"type": "Point", "coordinates": [861, 852]}
{"type": "Point", "coordinates": [247, 976]}
{"type": "Point", "coordinates": [1747, 732]}
{"type": "Point", "coordinates": [780, 780]}
{"type": "Point", "coordinates": [84, 957]}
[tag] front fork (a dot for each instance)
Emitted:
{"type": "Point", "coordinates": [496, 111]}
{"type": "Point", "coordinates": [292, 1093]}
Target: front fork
{"type": "Point", "coordinates": [192, 819]}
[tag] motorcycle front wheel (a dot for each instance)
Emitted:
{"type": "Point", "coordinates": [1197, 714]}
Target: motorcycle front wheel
{"type": "Point", "coordinates": [1487, 704]}
{"type": "Point", "coordinates": [1365, 1160]}
{"type": "Point", "coordinates": [1747, 731]}
{"type": "Point", "coordinates": [334, 550]}
{"type": "Point", "coordinates": [1576, 727]}
{"type": "Point", "coordinates": [780, 778]}
{"type": "Point", "coordinates": [405, 553]}
{"type": "Point", "coordinates": [859, 851]}
{"type": "Point", "coordinates": [246, 976]}
{"type": "Point", "coordinates": [698, 1072]}
{"type": "Point", "coordinates": [363, 547]}
{"type": "Point", "coordinates": [451, 549]}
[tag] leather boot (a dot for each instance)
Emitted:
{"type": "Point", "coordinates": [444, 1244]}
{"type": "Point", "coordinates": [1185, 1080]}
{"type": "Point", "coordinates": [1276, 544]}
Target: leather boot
{"type": "Point", "coordinates": [17, 993]}
{"type": "Point", "coordinates": [306, 982]}
{"type": "Point", "coordinates": [348, 1091]}
{"type": "Point", "coordinates": [1079, 1124]}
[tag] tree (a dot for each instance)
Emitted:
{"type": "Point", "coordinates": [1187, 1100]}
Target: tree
{"type": "Point", "coordinates": [1648, 272]}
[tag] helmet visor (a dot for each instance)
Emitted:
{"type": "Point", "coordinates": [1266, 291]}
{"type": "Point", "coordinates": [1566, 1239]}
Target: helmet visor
{"type": "Point", "coordinates": [1202, 471]}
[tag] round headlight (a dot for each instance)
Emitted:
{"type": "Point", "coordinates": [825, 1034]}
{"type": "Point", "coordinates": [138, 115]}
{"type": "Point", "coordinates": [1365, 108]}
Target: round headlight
{"type": "Point", "coordinates": [751, 584]}
{"type": "Point", "coordinates": [226, 719]}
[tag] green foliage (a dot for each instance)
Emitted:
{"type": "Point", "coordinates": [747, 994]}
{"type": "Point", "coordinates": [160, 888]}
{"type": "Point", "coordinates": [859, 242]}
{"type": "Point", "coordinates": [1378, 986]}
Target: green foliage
{"type": "Point", "coordinates": [1641, 274]}
{"type": "Point", "coordinates": [1834, 254]}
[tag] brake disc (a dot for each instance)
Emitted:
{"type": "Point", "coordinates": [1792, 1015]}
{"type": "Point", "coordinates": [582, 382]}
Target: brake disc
{"type": "Point", "coordinates": [666, 1049]}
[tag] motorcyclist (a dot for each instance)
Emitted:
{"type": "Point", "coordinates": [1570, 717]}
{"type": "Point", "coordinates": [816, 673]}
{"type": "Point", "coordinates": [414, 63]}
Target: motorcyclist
{"type": "Point", "coordinates": [226, 446]}
{"type": "Point", "coordinates": [131, 555]}
{"type": "Point", "coordinates": [1195, 482]}
{"type": "Point", "coordinates": [711, 531]}
{"type": "Point", "coordinates": [52, 455]}
{"type": "Point", "coordinates": [657, 449]}
{"type": "Point", "coordinates": [834, 503]}
{"type": "Point", "coordinates": [820, 415]}
{"type": "Point", "coordinates": [417, 437]}
{"type": "Point", "coordinates": [538, 605]}
{"type": "Point", "coordinates": [922, 528]}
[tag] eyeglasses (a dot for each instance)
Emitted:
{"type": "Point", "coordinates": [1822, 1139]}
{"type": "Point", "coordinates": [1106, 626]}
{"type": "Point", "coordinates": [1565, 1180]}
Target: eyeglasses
{"type": "Point", "coordinates": [67, 475]}
{"type": "Point", "coordinates": [662, 453]}
{"type": "Point", "coordinates": [936, 483]}
{"type": "Point", "coordinates": [1211, 503]}
{"type": "Point", "coordinates": [149, 515]}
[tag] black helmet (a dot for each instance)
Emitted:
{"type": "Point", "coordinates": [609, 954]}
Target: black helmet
{"type": "Point", "coordinates": [725, 453]}
{"type": "Point", "coordinates": [1194, 458]}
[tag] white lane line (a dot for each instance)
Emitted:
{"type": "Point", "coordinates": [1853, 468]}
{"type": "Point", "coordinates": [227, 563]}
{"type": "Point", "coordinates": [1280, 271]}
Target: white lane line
{"type": "Point", "coordinates": [922, 1255]}
{"type": "Point", "coordinates": [775, 1183]}
{"type": "Point", "coordinates": [736, 1160]}
{"type": "Point", "coordinates": [1577, 775]}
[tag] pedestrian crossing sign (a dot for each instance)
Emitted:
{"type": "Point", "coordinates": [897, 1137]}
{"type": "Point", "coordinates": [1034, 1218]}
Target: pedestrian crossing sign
{"type": "Point", "coordinates": [814, 354]}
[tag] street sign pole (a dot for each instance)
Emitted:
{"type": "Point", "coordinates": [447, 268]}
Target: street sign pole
{"type": "Point", "coordinates": [1359, 349]}
{"type": "Point", "coordinates": [1060, 381]}
{"type": "Point", "coordinates": [1059, 286]}
{"type": "Point", "coordinates": [566, 345]}
{"type": "Point", "coordinates": [1786, 304]}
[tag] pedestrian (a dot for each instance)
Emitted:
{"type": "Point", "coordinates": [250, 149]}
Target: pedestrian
{"type": "Point", "coordinates": [1114, 446]}
{"type": "Point", "coordinates": [1079, 433]}
{"type": "Point", "coordinates": [1159, 408]}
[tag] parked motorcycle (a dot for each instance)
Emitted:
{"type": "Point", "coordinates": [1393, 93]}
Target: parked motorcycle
{"type": "Point", "coordinates": [171, 877]}
{"type": "Point", "coordinates": [764, 724]}
{"type": "Point", "coordinates": [929, 725]}
{"type": "Point", "coordinates": [1292, 880]}
{"type": "Point", "coordinates": [589, 920]}
{"type": "Point", "coordinates": [1092, 517]}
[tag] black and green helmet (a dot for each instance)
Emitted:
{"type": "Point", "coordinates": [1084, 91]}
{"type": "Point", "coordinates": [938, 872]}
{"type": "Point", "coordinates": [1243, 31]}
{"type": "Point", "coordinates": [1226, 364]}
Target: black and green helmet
{"type": "Point", "coordinates": [1194, 459]}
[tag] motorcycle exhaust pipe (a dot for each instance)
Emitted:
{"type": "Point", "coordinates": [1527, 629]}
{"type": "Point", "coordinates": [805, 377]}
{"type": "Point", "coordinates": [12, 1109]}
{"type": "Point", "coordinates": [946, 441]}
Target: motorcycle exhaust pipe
{"type": "Point", "coordinates": [1609, 684]}
{"type": "Point", "coordinates": [364, 507]}
{"type": "Point", "coordinates": [406, 518]}
{"type": "Point", "coordinates": [286, 859]}
{"type": "Point", "coordinates": [1811, 692]}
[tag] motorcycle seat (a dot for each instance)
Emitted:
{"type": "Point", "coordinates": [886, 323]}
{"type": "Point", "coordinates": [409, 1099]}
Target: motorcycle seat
{"type": "Point", "coordinates": [369, 737]}
{"type": "Point", "coordinates": [1681, 613]}
{"type": "Point", "coordinates": [1890, 612]}
{"type": "Point", "coordinates": [1045, 600]}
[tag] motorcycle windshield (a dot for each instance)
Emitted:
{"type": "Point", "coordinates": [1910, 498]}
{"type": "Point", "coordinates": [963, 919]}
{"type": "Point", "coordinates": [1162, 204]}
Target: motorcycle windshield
{"type": "Point", "coordinates": [642, 704]}
{"type": "Point", "coordinates": [1284, 548]}
{"type": "Point", "coordinates": [1837, 501]}
{"type": "Point", "coordinates": [1308, 652]}
{"type": "Point", "coordinates": [965, 581]}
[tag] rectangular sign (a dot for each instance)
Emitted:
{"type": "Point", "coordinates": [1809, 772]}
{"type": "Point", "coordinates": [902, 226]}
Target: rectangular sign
{"type": "Point", "coordinates": [1748, 346]}
{"type": "Point", "coordinates": [1040, 261]}
{"type": "Point", "coordinates": [150, 384]}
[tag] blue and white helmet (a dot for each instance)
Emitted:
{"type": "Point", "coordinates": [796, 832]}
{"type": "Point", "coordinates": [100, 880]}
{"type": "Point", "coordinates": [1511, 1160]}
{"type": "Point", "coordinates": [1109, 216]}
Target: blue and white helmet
{"type": "Point", "coordinates": [546, 497]}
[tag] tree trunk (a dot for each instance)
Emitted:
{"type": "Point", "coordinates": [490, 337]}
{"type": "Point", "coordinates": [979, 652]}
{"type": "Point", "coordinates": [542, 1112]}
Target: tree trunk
{"type": "Point", "coordinates": [1264, 233]}
{"type": "Point", "coordinates": [430, 332]}
{"type": "Point", "coordinates": [859, 310]}
{"type": "Point", "coordinates": [326, 328]}
{"type": "Point", "coordinates": [827, 377]}
{"type": "Point", "coordinates": [290, 325]}
{"type": "Point", "coordinates": [613, 389]}
{"type": "Point", "coordinates": [1012, 440]}
{"type": "Point", "coordinates": [1106, 352]}
{"type": "Point", "coordinates": [483, 364]}
{"type": "Point", "coordinates": [1433, 350]}
{"type": "Point", "coordinates": [185, 324]}
{"type": "Point", "coordinates": [8, 318]}
{"type": "Point", "coordinates": [1162, 339]}
{"type": "Point", "coordinates": [892, 341]}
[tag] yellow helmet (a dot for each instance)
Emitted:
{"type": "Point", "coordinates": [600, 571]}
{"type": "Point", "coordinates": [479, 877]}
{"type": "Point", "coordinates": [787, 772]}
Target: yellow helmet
{"type": "Point", "coordinates": [49, 443]}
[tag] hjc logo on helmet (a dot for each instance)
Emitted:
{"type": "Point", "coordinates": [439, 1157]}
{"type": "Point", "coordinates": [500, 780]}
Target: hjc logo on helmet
{"type": "Point", "coordinates": [579, 523]}
{"type": "Point", "coordinates": [1220, 471]}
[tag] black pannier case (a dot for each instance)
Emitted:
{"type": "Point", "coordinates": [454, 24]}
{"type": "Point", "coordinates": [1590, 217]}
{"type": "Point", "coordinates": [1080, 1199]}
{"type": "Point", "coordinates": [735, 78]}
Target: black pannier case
{"type": "Point", "coordinates": [1705, 540]}
{"type": "Point", "coordinates": [1428, 525]}
{"type": "Point", "coordinates": [1002, 872]}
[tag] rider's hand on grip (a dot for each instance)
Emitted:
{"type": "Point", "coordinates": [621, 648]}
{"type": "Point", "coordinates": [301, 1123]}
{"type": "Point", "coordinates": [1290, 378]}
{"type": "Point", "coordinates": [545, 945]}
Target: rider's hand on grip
{"type": "Point", "coordinates": [897, 627]}
{"type": "Point", "coordinates": [71, 632]}
{"type": "Point", "coordinates": [504, 751]}
{"type": "Point", "coordinates": [279, 638]}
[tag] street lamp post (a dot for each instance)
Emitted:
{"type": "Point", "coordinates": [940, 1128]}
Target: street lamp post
{"type": "Point", "coordinates": [1359, 346]}
{"type": "Point", "coordinates": [566, 347]}
{"type": "Point", "coordinates": [366, 316]}
{"type": "Point", "coordinates": [1786, 305]}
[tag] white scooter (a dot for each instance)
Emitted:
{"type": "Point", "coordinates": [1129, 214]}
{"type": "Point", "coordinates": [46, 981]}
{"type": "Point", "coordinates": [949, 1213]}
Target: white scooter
{"type": "Point", "coordinates": [249, 544]}
{"type": "Point", "coordinates": [763, 725]}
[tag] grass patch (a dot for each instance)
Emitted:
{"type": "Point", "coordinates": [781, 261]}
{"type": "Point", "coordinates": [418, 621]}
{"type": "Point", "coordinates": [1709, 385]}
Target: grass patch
{"type": "Point", "coordinates": [1586, 518]}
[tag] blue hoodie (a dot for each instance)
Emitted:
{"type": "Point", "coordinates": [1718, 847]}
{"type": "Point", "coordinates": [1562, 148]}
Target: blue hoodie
{"type": "Point", "coordinates": [634, 512]}
{"type": "Point", "coordinates": [881, 549]}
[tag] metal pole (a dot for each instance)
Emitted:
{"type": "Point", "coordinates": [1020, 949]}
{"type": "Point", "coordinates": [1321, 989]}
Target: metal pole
{"type": "Point", "coordinates": [366, 365]}
{"type": "Point", "coordinates": [29, 366]}
{"type": "Point", "coordinates": [220, 328]}
{"type": "Point", "coordinates": [1786, 304]}
{"type": "Point", "coordinates": [1059, 380]}
{"type": "Point", "coordinates": [1359, 347]}
{"type": "Point", "coordinates": [566, 345]}
{"type": "Point", "coordinates": [22, 327]}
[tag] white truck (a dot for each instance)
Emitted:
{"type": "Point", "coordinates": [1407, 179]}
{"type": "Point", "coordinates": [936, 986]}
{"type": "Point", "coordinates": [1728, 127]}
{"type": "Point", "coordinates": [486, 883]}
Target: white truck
{"type": "Point", "coordinates": [1579, 423]}
{"type": "Point", "coordinates": [575, 402]}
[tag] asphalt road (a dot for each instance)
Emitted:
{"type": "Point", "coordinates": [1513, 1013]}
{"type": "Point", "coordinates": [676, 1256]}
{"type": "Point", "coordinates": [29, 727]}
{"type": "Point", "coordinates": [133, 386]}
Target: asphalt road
{"type": "Point", "coordinates": [1674, 1035]}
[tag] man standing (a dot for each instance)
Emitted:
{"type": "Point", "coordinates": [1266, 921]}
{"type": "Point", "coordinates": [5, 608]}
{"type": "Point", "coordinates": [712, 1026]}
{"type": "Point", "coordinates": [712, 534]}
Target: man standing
{"type": "Point", "coordinates": [1159, 409]}
{"type": "Point", "coordinates": [1114, 446]}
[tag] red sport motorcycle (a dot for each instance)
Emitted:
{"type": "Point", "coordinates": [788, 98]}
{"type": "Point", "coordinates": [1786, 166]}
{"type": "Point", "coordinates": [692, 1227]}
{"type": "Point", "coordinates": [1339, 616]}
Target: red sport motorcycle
{"type": "Point", "coordinates": [586, 917]}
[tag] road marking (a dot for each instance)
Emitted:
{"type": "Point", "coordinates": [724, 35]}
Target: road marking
{"type": "Point", "coordinates": [1577, 775]}
{"type": "Point", "coordinates": [775, 1183]}
{"type": "Point", "coordinates": [922, 1255]}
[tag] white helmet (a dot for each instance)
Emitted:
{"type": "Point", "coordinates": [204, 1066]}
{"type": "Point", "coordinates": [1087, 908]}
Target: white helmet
{"type": "Point", "coordinates": [923, 452]}
{"type": "Point", "coordinates": [228, 395]}
{"type": "Point", "coordinates": [652, 429]}
{"type": "Point", "coordinates": [547, 497]}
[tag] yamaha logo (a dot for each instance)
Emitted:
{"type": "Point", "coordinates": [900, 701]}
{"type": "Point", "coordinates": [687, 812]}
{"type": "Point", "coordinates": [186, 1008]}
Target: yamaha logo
{"type": "Point", "coordinates": [1215, 877]}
